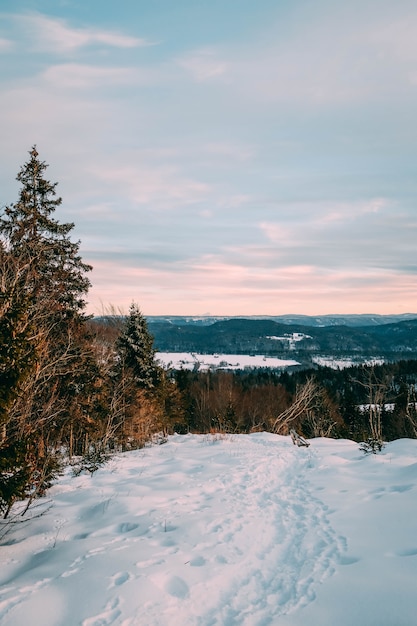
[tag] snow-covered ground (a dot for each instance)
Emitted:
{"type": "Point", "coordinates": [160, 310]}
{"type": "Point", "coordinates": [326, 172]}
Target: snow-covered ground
{"type": "Point", "coordinates": [223, 531]}
{"type": "Point", "coordinates": [193, 360]}
{"type": "Point", "coordinates": [329, 361]}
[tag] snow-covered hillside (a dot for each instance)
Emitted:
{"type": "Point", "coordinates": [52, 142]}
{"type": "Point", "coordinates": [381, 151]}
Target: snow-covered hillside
{"type": "Point", "coordinates": [237, 530]}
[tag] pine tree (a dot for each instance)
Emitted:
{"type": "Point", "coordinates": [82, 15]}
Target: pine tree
{"type": "Point", "coordinates": [137, 380]}
{"type": "Point", "coordinates": [42, 244]}
{"type": "Point", "coordinates": [136, 351]}
{"type": "Point", "coordinates": [42, 328]}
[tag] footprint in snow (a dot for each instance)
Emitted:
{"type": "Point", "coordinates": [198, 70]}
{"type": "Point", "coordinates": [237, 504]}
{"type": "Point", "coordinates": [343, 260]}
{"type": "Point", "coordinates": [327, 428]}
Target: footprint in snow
{"type": "Point", "coordinates": [176, 587]}
{"type": "Point", "coordinates": [171, 584]}
{"type": "Point", "coordinates": [348, 560]}
{"type": "Point", "coordinates": [400, 488]}
{"type": "Point", "coordinates": [126, 527]}
{"type": "Point", "coordinates": [119, 579]}
{"type": "Point", "coordinates": [198, 561]}
{"type": "Point", "coordinates": [108, 616]}
{"type": "Point", "coordinates": [407, 552]}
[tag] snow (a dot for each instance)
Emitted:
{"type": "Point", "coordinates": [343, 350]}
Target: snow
{"type": "Point", "coordinates": [290, 339]}
{"type": "Point", "coordinates": [345, 362]}
{"type": "Point", "coordinates": [210, 530]}
{"type": "Point", "coordinates": [192, 360]}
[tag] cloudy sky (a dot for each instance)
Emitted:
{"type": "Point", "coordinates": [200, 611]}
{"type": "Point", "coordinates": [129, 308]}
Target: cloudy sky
{"type": "Point", "coordinates": [229, 157]}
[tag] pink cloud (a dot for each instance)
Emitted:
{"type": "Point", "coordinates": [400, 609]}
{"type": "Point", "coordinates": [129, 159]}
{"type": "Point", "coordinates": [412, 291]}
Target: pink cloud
{"type": "Point", "coordinates": [224, 289]}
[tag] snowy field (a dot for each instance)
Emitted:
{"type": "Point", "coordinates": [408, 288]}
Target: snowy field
{"type": "Point", "coordinates": [328, 361]}
{"type": "Point", "coordinates": [207, 531]}
{"type": "Point", "coordinates": [193, 360]}
{"type": "Point", "coordinates": [202, 362]}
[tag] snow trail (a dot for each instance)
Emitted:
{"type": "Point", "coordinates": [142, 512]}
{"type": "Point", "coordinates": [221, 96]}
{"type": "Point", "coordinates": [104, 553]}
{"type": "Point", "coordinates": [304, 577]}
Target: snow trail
{"type": "Point", "coordinates": [226, 533]}
{"type": "Point", "coordinates": [273, 542]}
{"type": "Point", "coordinates": [222, 531]}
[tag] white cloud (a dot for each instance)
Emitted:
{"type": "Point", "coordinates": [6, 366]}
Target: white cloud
{"type": "Point", "coordinates": [74, 75]}
{"type": "Point", "coordinates": [276, 233]}
{"type": "Point", "coordinates": [5, 44]}
{"type": "Point", "coordinates": [226, 288]}
{"type": "Point", "coordinates": [228, 200]}
{"type": "Point", "coordinates": [333, 59]}
{"type": "Point", "coordinates": [160, 187]}
{"type": "Point", "coordinates": [53, 34]}
{"type": "Point", "coordinates": [376, 205]}
{"type": "Point", "coordinates": [345, 212]}
{"type": "Point", "coordinates": [396, 37]}
{"type": "Point", "coordinates": [203, 65]}
{"type": "Point", "coordinates": [230, 151]}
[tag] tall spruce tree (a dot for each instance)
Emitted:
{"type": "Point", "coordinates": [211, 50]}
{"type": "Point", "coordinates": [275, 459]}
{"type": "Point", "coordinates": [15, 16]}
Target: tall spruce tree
{"type": "Point", "coordinates": [42, 327]}
{"type": "Point", "coordinates": [138, 383]}
{"type": "Point", "coordinates": [136, 351]}
{"type": "Point", "coordinates": [32, 236]}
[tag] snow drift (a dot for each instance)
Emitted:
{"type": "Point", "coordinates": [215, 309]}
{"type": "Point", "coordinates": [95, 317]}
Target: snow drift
{"type": "Point", "coordinates": [222, 530]}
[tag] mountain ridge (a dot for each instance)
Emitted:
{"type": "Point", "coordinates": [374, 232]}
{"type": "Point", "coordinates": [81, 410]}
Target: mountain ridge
{"type": "Point", "coordinates": [354, 319]}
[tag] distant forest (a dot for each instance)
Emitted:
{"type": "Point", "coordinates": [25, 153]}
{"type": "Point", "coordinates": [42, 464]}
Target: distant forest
{"type": "Point", "coordinates": [390, 341]}
{"type": "Point", "coordinates": [73, 390]}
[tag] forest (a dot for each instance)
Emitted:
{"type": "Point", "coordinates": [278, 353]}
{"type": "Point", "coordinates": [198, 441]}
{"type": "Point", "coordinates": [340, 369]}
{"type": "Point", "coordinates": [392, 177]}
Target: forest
{"type": "Point", "coordinates": [390, 341]}
{"type": "Point", "coordinates": [357, 403]}
{"type": "Point", "coordinates": [74, 389]}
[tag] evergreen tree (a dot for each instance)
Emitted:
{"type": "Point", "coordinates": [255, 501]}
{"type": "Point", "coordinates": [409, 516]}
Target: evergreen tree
{"type": "Point", "coordinates": [41, 244]}
{"type": "Point", "coordinates": [136, 351]}
{"type": "Point", "coordinates": [42, 329]}
{"type": "Point", "coordinates": [136, 404]}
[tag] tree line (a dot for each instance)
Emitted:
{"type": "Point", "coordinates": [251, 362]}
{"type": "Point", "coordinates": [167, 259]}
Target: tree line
{"type": "Point", "coordinates": [73, 389]}
{"type": "Point", "coordinates": [358, 402]}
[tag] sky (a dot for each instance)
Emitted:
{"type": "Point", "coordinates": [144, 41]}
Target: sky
{"type": "Point", "coordinates": [223, 157]}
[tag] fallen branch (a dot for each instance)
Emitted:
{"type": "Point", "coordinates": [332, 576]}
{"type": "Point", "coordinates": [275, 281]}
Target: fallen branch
{"type": "Point", "coordinates": [298, 440]}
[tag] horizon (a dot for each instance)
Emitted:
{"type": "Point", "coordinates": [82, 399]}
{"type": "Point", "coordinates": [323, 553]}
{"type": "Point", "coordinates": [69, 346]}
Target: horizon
{"type": "Point", "coordinates": [206, 315]}
{"type": "Point", "coordinates": [398, 316]}
{"type": "Point", "coordinates": [219, 160]}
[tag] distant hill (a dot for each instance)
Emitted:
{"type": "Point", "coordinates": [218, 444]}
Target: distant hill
{"type": "Point", "coordinates": [303, 320]}
{"type": "Point", "coordinates": [302, 341]}
{"type": "Point", "coordinates": [299, 337]}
